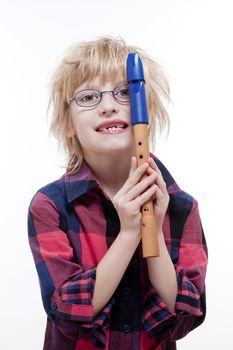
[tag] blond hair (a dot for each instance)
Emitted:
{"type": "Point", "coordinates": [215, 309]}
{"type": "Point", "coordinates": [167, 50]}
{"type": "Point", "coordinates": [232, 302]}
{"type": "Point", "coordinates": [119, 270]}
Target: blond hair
{"type": "Point", "coordinates": [105, 57]}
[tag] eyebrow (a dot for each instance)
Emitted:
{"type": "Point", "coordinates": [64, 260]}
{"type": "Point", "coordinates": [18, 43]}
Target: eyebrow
{"type": "Point", "coordinates": [95, 87]}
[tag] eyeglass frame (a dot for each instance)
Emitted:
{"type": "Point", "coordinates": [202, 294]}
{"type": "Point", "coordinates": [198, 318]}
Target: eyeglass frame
{"type": "Point", "coordinates": [101, 96]}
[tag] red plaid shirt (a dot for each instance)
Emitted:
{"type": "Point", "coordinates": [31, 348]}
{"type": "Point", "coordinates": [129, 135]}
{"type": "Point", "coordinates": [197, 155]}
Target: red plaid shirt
{"type": "Point", "coordinates": [71, 225]}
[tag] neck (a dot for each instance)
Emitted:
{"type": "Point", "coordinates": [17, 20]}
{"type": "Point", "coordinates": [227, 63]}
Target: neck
{"type": "Point", "coordinates": [111, 171]}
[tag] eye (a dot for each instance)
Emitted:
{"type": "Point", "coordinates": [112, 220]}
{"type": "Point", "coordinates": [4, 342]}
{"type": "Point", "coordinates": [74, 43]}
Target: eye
{"type": "Point", "coordinates": [87, 97]}
{"type": "Point", "coordinates": [122, 92]}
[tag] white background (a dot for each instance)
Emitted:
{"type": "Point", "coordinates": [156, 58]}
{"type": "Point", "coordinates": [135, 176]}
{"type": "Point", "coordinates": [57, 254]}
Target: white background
{"type": "Point", "coordinates": [193, 41]}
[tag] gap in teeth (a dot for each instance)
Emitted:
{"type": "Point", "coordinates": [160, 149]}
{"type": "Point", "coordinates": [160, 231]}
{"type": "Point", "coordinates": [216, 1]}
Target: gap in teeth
{"type": "Point", "coordinates": [112, 128]}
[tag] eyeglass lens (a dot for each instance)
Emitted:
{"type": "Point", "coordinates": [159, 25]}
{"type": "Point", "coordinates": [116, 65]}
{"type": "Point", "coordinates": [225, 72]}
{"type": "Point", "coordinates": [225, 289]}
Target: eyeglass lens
{"type": "Point", "coordinates": [91, 97]}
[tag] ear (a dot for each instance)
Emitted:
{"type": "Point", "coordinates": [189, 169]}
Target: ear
{"type": "Point", "coordinates": [71, 132]}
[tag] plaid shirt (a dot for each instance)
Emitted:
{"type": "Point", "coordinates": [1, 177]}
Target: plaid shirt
{"type": "Point", "coordinates": [71, 225]}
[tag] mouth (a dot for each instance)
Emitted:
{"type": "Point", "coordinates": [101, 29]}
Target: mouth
{"type": "Point", "coordinates": [113, 127]}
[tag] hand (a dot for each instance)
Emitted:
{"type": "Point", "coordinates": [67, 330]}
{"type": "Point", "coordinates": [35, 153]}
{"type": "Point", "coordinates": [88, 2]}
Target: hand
{"type": "Point", "coordinates": [161, 196]}
{"type": "Point", "coordinates": [133, 194]}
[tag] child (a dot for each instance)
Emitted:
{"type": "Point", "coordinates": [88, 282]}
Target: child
{"type": "Point", "coordinates": [84, 229]}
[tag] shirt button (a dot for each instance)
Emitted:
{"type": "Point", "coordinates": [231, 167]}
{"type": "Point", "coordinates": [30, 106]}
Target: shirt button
{"type": "Point", "coordinates": [53, 306]}
{"type": "Point", "coordinates": [126, 328]}
{"type": "Point", "coordinates": [126, 291]}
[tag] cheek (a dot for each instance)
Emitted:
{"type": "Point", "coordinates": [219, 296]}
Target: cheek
{"type": "Point", "coordinates": [127, 108]}
{"type": "Point", "coordinates": [78, 123]}
{"type": "Point", "coordinates": [127, 112]}
{"type": "Point", "coordinates": [82, 130]}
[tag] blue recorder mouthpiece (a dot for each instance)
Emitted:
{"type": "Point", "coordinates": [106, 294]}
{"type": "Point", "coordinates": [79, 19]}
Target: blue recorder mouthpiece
{"type": "Point", "coordinates": [135, 77]}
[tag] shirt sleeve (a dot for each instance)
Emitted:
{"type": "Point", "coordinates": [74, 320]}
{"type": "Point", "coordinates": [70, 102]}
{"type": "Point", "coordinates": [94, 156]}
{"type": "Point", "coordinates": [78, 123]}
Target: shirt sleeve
{"type": "Point", "coordinates": [190, 304]}
{"type": "Point", "coordinates": [66, 288]}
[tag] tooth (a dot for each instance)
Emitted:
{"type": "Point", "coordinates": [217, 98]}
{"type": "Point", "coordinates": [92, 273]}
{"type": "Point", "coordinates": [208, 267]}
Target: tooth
{"type": "Point", "coordinates": [112, 128]}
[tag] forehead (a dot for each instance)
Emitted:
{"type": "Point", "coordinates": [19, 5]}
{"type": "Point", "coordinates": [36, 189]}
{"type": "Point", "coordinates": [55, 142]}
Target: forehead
{"type": "Point", "coordinates": [100, 83]}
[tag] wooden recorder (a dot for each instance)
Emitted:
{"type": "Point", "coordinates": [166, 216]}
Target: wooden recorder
{"type": "Point", "coordinates": [139, 121]}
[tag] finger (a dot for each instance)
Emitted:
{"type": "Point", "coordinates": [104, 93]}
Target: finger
{"type": "Point", "coordinates": [140, 187]}
{"type": "Point", "coordinates": [134, 178]}
{"type": "Point", "coordinates": [133, 165]}
{"type": "Point", "coordinates": [138, 172]}
{"type": "Point", "coordinates": [154, 166]}
{"type": "Point", "coordinates": [158, 195]}
{"type": "Point", "coordinates": [151, 170]}
{"type": "Point", "coordinates": [159, 179]}
{"type": "Point", "coordinates": [161, 184]}
{"type": "Point", "coordinates": [145, 196]}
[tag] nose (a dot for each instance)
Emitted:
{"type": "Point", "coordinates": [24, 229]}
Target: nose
{"type": "Point", "coordinates": [108, 105]}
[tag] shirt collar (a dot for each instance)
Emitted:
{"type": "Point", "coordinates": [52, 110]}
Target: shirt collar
{"type": "Point", "coordinates": [80, 182]}
{"type": "Point", "coordinates": [84, 181]}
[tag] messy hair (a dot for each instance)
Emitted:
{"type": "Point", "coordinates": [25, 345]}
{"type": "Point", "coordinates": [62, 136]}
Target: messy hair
{"type": "Point", "coordinates": [105, 57]}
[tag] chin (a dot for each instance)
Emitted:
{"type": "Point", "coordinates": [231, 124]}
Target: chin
{"type": "Point", "coordinates": [127, 148]}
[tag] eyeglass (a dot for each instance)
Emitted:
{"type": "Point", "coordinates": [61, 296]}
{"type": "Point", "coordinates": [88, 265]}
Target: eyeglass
{"type": "Point", "coordinates": [92, 97]}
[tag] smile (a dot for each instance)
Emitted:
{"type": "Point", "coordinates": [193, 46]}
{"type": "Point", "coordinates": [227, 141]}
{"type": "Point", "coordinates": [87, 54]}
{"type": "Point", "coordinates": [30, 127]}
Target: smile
{"type": "Point", "coordinates": [112, 127]}
{"type": "Point", "coordinates": [113, 130]}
